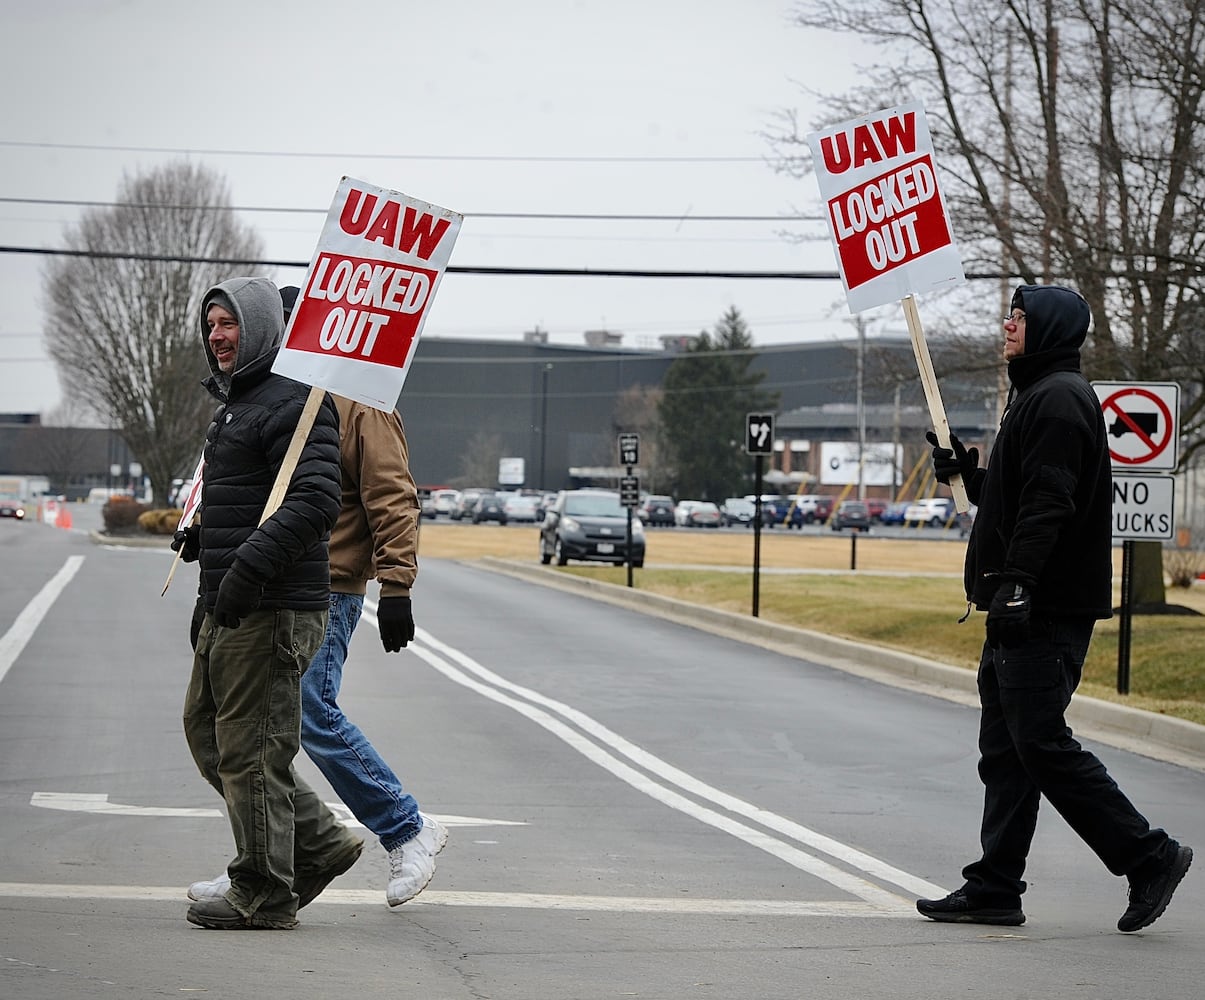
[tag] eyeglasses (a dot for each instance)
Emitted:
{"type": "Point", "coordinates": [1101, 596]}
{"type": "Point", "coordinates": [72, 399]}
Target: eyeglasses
{"type": "Point", "coordinates": [1017, 317]}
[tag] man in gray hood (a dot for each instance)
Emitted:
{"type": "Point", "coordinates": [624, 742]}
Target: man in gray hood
{"type": "Point", "coordinates": [265, 589]}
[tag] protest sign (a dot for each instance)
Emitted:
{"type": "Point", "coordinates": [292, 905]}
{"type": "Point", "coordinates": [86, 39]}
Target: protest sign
{"type": "Point", "coordinates": [367, 293]}
{"type": "Point", "coordinates": [885, 210]}
{"type": "Point", "coordinates": [889, 226]}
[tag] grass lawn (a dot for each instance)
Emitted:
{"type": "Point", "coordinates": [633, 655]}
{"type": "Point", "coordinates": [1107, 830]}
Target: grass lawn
{"type": "Point", "coordinates": [905, 594]}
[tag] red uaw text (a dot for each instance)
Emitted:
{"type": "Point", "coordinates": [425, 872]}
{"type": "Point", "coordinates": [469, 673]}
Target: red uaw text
{"type": "Point", "coordinates": [361, 309]}
{"type": "Point", "coordinates": [391, 224]}
{"type": "Point", "coordinates": [889, 221]}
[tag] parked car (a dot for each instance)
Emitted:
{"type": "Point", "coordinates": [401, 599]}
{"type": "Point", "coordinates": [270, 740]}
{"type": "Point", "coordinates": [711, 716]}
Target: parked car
{"type": "Point", "coordinates": [809, 510]}
{"type": "Point", "coordinates": [656, 510]}
{"type": "Point", "coordinates": [697, 514]}
{"type": "Point", "coordinates": [773, 508]}
{"type": "Point", "coordinates": [427, 508]}
{"type": "Point", "coordinates": [937, 512]}
{"type": "Point", "coordinates": [589, 526]}
{"type": "Point", "coordinates": [465, 502]}
{"type": "Point", "coordinates": [489, 508]}
{"type": "Point", "coordinates": [853, 514]}
{"type": "Point", "coordinates": [736, 510]}
{"type": "Point", "coordinates": [876, 507]}
{"type": "Point", "coordinates": [521, 507]}
{"type": "Point", "coordinates": [12, 507]}
{"type": "Point", "coordinates": [444, 501]}
{"type": "Point", "coordinates": [893, 513]}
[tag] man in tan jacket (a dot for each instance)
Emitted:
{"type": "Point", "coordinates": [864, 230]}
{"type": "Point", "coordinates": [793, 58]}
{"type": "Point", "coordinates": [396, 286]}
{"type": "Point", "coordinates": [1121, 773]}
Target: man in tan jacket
{"type": "Point", "coordinates": [375, 537]}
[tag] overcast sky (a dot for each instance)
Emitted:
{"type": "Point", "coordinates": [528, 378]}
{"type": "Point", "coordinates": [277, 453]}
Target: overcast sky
{"type": "Point", "coordinates": [475, 105]}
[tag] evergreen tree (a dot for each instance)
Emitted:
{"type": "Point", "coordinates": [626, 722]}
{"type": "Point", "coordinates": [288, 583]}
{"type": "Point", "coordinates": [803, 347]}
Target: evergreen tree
{"type": "Point", "coordinates": [708, 392]}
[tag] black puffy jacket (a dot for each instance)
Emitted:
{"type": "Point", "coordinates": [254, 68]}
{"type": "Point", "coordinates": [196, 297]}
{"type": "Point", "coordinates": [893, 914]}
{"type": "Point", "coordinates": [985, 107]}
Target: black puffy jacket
{"type": "Point", "coordinates": [1045, 499]}
{"type": "Point", "coordinates": [245, 447]}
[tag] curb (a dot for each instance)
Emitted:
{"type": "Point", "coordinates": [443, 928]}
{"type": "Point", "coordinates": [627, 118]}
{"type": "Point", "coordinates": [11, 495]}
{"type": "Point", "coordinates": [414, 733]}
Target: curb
{"type": "Point", "coordinates": [1150, 734]}
{"type": "Point", "coordinates": [131, 541]}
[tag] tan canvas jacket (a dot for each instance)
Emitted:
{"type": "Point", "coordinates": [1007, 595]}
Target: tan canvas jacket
{"type": "Point", "coordinates": [376, 535]}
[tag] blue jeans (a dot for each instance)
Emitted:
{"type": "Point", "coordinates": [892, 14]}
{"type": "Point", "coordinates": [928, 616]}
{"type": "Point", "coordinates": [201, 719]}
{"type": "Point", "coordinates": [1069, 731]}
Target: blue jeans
{"type": "Point", "coordinates": [361, 779]}
{"type": "Point", "coordinates": [1027, 751]}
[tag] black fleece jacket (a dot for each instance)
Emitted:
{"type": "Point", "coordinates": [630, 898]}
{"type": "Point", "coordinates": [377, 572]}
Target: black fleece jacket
{"type": "Point", "coordinates": [1045, 498]}
{"type": "Point", "coordinates": [245, 446]}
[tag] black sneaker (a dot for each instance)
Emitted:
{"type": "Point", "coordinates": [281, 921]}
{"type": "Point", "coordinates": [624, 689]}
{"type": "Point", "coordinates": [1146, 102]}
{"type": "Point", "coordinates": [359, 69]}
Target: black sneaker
{"type": "Point", "coordinates": [1149, 899]}
{"type": "Point", "coordinates": [959, 908]}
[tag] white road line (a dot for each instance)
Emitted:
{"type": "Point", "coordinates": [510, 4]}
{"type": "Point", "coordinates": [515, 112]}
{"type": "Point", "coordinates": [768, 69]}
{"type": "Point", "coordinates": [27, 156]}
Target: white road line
{"type": "Point", "coordinates": [829, 873]}
{"type": "Point", "coordinates": [496, 900]}
{"type": "Point", "coordinates": [27, 622]}
{"type": "Point", "coordinates": [866, 863]}
{"type": "Point", "coordinates": [99, 804]}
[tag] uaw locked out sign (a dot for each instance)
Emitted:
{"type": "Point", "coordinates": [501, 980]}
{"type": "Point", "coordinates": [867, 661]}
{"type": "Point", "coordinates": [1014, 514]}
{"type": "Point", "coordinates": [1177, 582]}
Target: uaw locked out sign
{"type": "Point", "coordinates": [1143, 424]}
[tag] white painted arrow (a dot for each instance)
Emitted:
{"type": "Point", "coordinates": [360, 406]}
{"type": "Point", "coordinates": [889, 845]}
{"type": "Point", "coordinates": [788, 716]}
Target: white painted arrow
{"type": "Point", "coordinates": [99, 804]}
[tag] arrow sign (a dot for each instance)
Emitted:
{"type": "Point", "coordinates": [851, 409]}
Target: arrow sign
{"type": "Point", "coordinates": [759, 434]}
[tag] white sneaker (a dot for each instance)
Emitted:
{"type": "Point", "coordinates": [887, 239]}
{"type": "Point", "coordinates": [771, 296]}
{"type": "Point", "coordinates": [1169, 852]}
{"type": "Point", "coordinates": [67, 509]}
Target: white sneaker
{"type": "Point", "coordinates": [412, 864]}
{"type": "Point", "coordinates": [441, 831]}
{"type": "Point", "coordinates": [215, 888]}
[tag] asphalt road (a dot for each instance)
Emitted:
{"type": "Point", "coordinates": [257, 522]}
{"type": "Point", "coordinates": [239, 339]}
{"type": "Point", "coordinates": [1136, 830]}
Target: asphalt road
{"type": "Point", "coordinates": [636, 808]}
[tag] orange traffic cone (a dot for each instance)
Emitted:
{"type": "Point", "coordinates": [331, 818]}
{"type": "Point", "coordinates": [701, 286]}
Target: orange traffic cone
{"type": "Point", "coordinates": [63, 520]}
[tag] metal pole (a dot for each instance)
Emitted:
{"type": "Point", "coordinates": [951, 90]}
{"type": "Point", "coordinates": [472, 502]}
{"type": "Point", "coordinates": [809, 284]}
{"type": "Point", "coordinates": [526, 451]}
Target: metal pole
{"type": "Point", "coordinates": [1124, 619]}
{"type": "Point", "coordinates": [544, 426]}
{"type": "Point", "coordinates": [853, 549]}
{"type": "Point", "coordinates": [757, 488]}
{"type": "Point", "coordinates": [629, 545]}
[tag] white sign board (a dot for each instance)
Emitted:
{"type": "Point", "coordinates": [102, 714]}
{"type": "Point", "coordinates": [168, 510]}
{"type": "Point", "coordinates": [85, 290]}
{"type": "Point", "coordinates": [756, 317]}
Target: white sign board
{"type": "Point", "coordinates": [1143, 507]}
{"type": "Point", "coordinates": [886, 214]}
{"type": "Point", "coordinates": [1143, 421]}
{"type": "Point", "coordinates": [839, 463]}
{"type": "Point", "coordinates": [367, 293]}
{"type": "Point", "coordinates": [511, 471]}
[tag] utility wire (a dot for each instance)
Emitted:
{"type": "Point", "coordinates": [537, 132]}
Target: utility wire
{"type": "Point", "coordinates": [433, 157]}
{"type": "Point", "coordinates": [546, 272]}
{"type": "Point", "coordinates": [542, 272]}
{"type": "Point", "coordinates": [545, 216]}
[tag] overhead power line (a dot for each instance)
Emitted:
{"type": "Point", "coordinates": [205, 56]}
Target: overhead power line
{"type": "Point", "coordinates": [547, 272]}
{"type": "Point", "coordinates": [414, 157]}
{"type": "Point", "coordinates": [543, 272]}
{"type": "Point", "coordinates": [553, 216]}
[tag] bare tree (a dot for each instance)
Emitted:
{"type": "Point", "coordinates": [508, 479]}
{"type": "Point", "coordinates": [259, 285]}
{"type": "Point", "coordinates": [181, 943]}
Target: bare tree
{"type": "Point", "coordinates": [124, 333]}
{"type": "Point", "coordinates": [636, 410]}
{"type": "Point", "coordinates": [1070, 136]}
{"type": "Point", "coordinates": [479, 461]}
{"type": "Point", "coordinates": [63, 447]}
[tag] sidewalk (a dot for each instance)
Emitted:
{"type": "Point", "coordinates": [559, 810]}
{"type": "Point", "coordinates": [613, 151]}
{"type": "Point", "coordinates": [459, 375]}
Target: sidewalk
{"type": "Point", "coordinates": [1147, 733]}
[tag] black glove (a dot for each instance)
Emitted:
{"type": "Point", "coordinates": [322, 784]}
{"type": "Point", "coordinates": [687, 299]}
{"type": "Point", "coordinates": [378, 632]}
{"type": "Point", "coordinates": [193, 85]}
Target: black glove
{"type": "Point", "coordinates": [198, 616]}
{"type": "Point", "coordinates": [1008, 616]}
{"type": "Point", "coordinates": [237, 598]}
{"type": "Point", "coordinates": [190, 541]}
{"type": "Point", "coordinates": [956, 460]}
{"type": "Point", "coordinates": [395, 618]}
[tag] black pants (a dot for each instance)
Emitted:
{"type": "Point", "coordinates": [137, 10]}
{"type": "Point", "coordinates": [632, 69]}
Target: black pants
{"type": "Point", "coordinates": [1027, 750]}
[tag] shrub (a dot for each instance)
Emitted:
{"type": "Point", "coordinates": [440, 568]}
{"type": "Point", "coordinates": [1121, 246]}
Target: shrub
{"type": "Point", "coordinates": [121, 513]}
{"type": "Point", "coordinates": [159, 521]}
{"type": "Point", "coordinates": [1182, 566]}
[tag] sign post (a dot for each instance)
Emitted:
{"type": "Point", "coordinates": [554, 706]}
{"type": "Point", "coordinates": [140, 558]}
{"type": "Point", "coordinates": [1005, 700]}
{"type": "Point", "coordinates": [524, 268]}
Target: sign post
{"type": "Point", "coordinates": [759, 442]}
{"type": "Point", "coordinates": [889, 226]}
{"type": "Point", "coordinates": [629, 485]}
{"type": "Point", "coordinates": [1143, 424]}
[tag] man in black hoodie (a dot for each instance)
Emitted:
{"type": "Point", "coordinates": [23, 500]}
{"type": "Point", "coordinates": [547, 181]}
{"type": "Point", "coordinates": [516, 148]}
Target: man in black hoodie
{"type": "Point", "coordinates": [1039, 562]}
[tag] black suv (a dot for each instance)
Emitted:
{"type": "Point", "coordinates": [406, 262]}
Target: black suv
{"type": "Point", "coordinates": [591, 526]}
{"type": "Point", "coordinates": [654, 510]}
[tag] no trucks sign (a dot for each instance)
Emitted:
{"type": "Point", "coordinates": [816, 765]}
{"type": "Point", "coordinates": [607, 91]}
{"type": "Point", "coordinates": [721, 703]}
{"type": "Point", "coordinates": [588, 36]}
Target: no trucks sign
{"type": "Point", "coordinates": [885, 210]}
{"type": "Point", "coordinates": [367, 293]}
